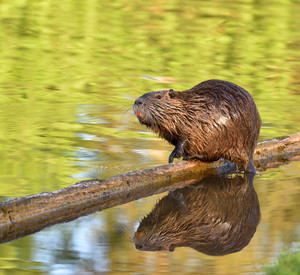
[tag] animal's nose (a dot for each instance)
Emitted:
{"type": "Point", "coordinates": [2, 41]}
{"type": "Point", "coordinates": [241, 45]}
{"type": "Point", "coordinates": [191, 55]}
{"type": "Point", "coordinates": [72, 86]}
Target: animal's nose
{"type": "Point", "coordinates": [138, 102]}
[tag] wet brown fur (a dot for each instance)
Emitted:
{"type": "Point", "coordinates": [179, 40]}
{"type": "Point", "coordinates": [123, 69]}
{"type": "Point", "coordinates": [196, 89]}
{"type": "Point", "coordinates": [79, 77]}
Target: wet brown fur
{"type": "Point", "coordinates": [214, 119]}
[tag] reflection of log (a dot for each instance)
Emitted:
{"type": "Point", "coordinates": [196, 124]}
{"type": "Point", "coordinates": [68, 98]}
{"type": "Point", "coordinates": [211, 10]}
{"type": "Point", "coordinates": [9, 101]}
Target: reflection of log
{"type": "Point", "coordinates": [23, 216]}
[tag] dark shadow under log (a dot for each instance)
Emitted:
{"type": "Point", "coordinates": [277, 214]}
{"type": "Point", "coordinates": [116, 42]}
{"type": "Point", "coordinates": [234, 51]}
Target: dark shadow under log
{"type": "Point", "coordinates": [22, 216]}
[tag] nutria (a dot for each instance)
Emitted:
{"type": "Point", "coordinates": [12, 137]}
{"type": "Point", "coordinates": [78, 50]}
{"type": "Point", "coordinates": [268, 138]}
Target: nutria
{"type": "Point", "coordinates": [214, 119]}
{"type": "Point", "coordinates": [217, 216]}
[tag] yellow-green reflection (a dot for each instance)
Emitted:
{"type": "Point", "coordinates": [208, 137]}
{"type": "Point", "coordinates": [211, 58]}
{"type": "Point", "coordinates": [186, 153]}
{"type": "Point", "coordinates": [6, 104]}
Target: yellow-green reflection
{"type": "Point", "coordinates": [69, 71]}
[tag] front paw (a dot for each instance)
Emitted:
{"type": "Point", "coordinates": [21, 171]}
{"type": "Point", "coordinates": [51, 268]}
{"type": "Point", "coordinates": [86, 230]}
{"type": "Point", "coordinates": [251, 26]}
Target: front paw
{"type": "Point", "coordinates": [172, 156]}
{"type": "Point", "coordinates": [178, 151]}
{"type": "Point", "coordinates": [175, 154]}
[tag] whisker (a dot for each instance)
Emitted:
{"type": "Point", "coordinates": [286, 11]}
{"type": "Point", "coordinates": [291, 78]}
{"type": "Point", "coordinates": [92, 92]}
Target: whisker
{"type": "Point", "coordinates": [127, 115]}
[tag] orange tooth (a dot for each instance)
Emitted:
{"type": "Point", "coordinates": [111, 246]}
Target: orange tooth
{"type": "Point", "coordinates": [139, 115]}
{"type": "Point", "coordinates": [139, 234]}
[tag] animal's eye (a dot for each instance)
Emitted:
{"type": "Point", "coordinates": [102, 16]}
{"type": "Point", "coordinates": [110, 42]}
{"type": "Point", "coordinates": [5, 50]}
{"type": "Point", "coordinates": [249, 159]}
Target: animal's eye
{"type": "Point", "coordinates": [172, 94]}
{"type": "Point", "coordinates": [158, 96]}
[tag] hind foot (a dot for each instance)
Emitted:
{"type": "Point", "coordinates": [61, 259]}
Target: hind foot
{"type": "Point", "coordinates": [250, 167]}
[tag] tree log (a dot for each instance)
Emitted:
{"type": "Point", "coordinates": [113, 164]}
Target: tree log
{"type": "Point", "coordinates": [26, 215]}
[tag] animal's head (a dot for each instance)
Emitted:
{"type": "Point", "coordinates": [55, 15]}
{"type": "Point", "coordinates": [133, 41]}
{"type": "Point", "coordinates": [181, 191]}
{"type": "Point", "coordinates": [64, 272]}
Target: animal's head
{"type": "Point", "coordinates": [161, 111]}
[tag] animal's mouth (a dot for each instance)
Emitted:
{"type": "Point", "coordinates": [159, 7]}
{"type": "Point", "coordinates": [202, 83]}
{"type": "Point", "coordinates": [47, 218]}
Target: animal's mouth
{"type": "Point", "coordinates": [138, 114]}
{"type": "Point", "coordinates": [142, 115]}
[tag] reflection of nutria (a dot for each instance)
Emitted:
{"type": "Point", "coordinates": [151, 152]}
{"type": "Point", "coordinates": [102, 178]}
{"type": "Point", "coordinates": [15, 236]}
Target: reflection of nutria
{"type": "Point", "coordinates": [215, 119]}
{"type": "Point", "coordinates": [218, 216]}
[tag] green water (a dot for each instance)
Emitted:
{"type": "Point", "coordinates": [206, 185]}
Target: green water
{"type": "Point", "coordinates": [69, 73]}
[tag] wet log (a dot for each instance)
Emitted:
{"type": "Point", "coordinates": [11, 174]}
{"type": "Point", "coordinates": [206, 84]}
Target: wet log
{"type": "Point", "coordinates": [26, 215]}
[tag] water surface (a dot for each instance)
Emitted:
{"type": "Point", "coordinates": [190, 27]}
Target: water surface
{"type": "Point", "coordinates": [69, 73]}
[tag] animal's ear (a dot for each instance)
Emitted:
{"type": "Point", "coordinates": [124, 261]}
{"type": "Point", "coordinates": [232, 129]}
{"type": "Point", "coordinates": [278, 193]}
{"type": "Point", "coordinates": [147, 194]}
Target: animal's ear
{"type": "Point", "coordinates": [172, 93]}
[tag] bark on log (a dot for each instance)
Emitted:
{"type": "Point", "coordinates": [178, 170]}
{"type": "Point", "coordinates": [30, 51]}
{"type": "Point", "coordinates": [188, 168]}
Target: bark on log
{"type": "Point", "coordinates": [26, 215]}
